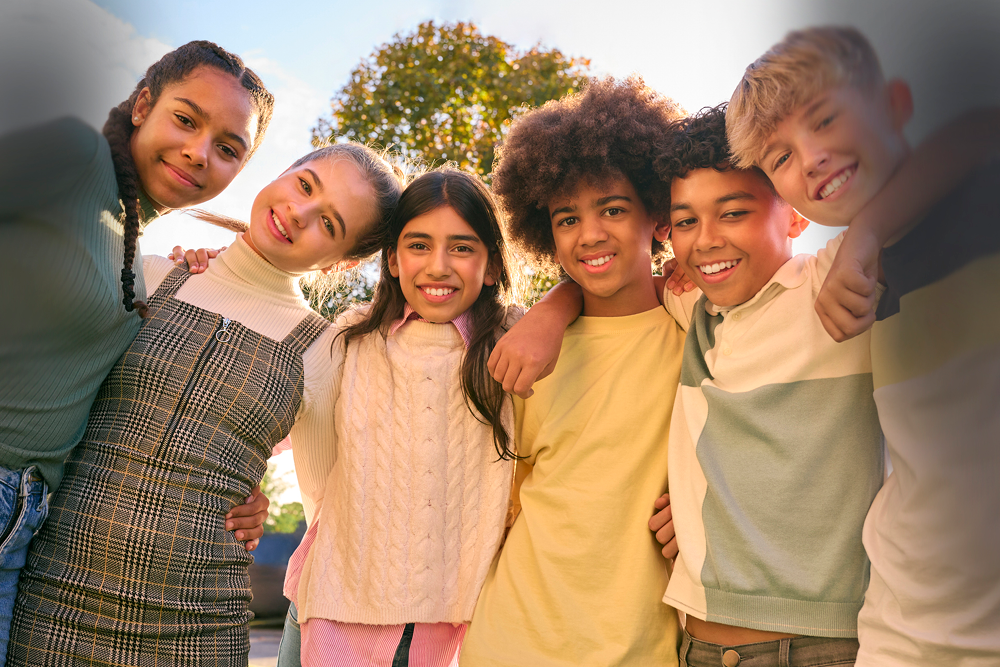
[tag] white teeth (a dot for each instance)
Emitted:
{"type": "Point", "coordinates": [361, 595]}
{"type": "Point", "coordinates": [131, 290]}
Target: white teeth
{"type": "Point", "coordinates": [438, 291]}
{"type": "Point", "coordinates": [277, 223]}
{"type": "Point", "coordinates": [599, 261]}
{"type": "Point", "coordinates": [709, 269]}
{"type": "Point", "coordinates": [835, 184]}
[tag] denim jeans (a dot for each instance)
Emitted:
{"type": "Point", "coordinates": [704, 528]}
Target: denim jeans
{"type": "Point", "coordinates": [796, 652]}
{"type": "Point", "coordinates": [290, 647]}
{"type": "Point", "coordinates": [23, 507]}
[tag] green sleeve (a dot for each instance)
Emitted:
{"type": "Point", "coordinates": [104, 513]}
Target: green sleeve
{"type": "Point", "coordinates": [40, 162]}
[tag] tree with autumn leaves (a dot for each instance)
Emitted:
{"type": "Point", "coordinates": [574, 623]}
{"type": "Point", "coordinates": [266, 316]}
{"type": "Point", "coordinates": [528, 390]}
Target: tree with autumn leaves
{"type": "Point", "coordinates": [447, 93]}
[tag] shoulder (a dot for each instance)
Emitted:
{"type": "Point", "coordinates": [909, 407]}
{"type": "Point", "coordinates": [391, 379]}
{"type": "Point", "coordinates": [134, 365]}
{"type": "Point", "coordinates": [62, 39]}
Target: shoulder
{"type": "Point", "coordinates": [351, 317]}
{"type": "Point", "coordinates": [154, 270]}
{"type": "Point", "coordinates": [61, 149]}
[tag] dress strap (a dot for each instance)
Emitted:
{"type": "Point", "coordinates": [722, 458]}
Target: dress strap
{"type": "Point", "coordinates": [169, 285]}
{"type": "Point", "coordinates": [306, 332]}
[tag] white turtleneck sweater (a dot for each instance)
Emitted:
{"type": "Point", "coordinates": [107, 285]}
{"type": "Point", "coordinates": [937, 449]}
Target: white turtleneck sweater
{"type": "Point", "coordinates": [412, 512]}
{"type": "Point", "coordinates": [243, 286]}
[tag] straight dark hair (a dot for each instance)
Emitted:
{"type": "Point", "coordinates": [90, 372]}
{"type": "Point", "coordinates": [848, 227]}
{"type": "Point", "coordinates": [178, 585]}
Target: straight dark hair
{"type": "Point", "coordinates": [467, 196]}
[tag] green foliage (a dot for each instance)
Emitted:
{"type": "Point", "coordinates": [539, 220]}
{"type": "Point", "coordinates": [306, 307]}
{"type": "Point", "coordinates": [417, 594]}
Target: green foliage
{"type": "Point", "coordinates": [281, 517]}
{"type": "Point", "coordinates": [446, 93]}
{"type": "Point", "coordinates": [352, 288]}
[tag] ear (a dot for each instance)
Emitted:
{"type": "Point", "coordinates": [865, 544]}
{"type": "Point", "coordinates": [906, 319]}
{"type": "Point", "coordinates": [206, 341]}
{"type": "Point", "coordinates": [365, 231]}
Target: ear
{"type": "Point", "coordinates": [900, 103]}
{"type": "Point", "coordinates": [661, 232]}
{"type": "Point", "coordinates": [393, 262]}
{"type": "Point", "coordinates": [340, 266]}
{"type": "Point", "coordinates": [797, 224]}
{"type": "Point", "coordinates": [492, 271]}
{"type": "Point", "coordinates": [142, 106]}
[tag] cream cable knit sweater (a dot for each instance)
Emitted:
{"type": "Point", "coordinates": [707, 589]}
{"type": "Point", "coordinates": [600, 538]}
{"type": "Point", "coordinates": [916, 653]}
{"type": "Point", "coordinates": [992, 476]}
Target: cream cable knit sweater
{"type": "Point", "coordinates": [412, 511]}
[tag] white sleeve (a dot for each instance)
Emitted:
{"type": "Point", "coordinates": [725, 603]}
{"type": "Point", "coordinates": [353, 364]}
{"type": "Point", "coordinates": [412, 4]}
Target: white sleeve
{"type": "Point", "coordinates": [681, 307]}
{"type": "Point", "coordinates": [825, 256]}
{"type": "Point", "coordinates": [314, 436]}
{"type": "Point", "coordinates": [154, 270]}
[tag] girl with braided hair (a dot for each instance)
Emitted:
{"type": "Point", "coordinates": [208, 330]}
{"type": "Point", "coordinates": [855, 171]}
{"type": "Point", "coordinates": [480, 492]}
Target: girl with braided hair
{"type": "Point", "coordinates": [72, 204]}
{"type": "Point", "coordinates": [134, 565]}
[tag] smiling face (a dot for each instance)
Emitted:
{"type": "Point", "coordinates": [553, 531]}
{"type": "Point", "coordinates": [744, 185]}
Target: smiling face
{"type": "Point", "coordinates": [832, 155]}
{"type": "Point", "coordinates": [310, 217]}
{"type": "Point", "coordinates": [731, 233]}
{"type": "Point", "coordinates": [191, 144]}
{"type": "Point", "coordinates": [441, 263]}
{"type": "Point", "coordinates": [603, 237]}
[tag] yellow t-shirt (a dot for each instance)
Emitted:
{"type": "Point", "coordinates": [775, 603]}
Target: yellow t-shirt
{"type": "Point", "coordinates": [580, 577]}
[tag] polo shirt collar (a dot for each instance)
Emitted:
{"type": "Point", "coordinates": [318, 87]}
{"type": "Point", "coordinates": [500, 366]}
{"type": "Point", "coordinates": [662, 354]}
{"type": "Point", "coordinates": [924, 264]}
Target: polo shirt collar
{"type": "Point", "coordinates": [790, 275]}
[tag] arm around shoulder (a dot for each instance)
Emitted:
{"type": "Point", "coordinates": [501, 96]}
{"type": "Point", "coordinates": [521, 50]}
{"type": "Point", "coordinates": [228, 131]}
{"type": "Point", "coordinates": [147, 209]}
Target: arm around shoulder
{"type": "Point", "coordinates": [530, 350]}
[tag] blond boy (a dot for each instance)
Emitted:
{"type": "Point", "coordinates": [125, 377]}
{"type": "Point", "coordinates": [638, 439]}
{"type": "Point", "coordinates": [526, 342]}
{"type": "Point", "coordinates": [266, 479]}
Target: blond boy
{"type": "Point", "coordinates": [817, 116]}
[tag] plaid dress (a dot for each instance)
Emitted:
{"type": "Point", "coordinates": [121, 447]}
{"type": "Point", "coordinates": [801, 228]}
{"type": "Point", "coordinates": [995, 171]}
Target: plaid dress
{"type": "Point", "coordinates": [134, 565]}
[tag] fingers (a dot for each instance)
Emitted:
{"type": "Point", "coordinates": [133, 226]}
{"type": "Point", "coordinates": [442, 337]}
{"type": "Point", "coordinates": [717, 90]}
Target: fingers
{"type": "Point", "coordinates": [248, 519]}
{"type": "Point", "coordinates": [250, 545]}
{"type": "Point", "coordinates": [177, 254]}
{"type": "Point", "coordinates": [660, 520]}
{"type": "Point", "coordinates": [250, 522]}
{"type": "Point", "coordinates": [843, 325]}
{"type": "Point", "coordinates": [498, 364]}
{"type": "Point", "coordinates": [518, 381]}
{"type": "Point", "coordinates": [670, 550]}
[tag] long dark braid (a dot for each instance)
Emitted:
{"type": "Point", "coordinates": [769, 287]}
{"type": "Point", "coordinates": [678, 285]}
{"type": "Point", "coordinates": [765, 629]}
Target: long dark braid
{"type": "Point", "coordinates": [171, 68]}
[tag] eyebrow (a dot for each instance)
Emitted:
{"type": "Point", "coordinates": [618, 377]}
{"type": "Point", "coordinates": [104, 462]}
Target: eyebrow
{"type": "Point", "coordinates": [737, 195]}
{"type": "Point", "coordinates": [204, 114]}
{"type": "Point", "coordinates": [810, 110]}
{"type": "Point", "coordinates": [600, 202]}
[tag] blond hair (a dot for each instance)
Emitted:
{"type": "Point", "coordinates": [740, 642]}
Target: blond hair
{"type": "Point", "coordinates": [793, 72]}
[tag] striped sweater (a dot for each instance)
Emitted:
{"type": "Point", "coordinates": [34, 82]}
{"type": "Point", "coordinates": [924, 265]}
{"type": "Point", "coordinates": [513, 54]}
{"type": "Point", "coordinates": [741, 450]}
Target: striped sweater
{"type": "Point", "coordinates": [775, 456]}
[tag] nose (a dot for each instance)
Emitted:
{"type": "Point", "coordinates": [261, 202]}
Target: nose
{"type": "Point", "coordinates": [438, 265]}
{"type": "Point", "coordinates": [708, 236]}
{"type": "Point", "coordinates": [815, 157]}
{"type": "Point", "coordinates": [196, 150]}
{"type": "Point", "coordinates": [300, 213]}
{"type": "Point", "coordinates": [592, 230]}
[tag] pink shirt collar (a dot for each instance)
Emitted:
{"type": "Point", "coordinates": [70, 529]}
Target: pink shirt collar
{"type": "Point", "coordinates": [463, 323]}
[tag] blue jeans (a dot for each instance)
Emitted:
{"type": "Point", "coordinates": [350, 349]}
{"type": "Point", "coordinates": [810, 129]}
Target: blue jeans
{"type": "Point", "coordinates": [24, 505]}
{"type": "Point", "coordinates": [290, 647]}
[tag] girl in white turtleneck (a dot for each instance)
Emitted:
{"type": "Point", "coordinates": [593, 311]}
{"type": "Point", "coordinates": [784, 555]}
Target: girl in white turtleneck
{"type": "Point", "coordinates": [134, 563]}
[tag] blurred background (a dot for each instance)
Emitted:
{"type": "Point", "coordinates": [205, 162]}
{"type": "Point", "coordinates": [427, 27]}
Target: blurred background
{"type": "Point", "coordinates": [458, 71]}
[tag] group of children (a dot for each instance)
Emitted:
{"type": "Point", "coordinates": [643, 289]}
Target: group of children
{"type": "Point", "coordinates": [446, 516]}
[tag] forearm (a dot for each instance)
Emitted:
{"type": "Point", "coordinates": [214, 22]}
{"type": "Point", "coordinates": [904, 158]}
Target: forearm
{"type": "Point", "coordinates": [560, 306]}
{"type": "Point", "coordinates": [936, 168]}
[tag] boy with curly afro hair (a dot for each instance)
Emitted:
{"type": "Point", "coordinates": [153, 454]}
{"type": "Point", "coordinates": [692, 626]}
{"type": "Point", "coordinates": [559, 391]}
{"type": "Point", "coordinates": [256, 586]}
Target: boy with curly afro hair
{"type": "Point", "coordinates": [579, 580]}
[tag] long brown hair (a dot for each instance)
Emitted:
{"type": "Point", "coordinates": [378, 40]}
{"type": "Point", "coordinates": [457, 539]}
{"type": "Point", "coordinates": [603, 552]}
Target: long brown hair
{"type": "Point", "coordinates": [171, 68]}
{"type": "Point", "coordinates": [468, 197]}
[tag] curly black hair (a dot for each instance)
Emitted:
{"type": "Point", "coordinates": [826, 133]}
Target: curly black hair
{"type": "Point", "coordinates": [700, 143]}
{"type": "Point", "coordinates": [610, 129]}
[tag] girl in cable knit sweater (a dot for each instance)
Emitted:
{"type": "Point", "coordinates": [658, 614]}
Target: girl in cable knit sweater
{"type": "Point", "coordinates": [411, 500]}
{"type": "Point", "coordinates": [134, 565]}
